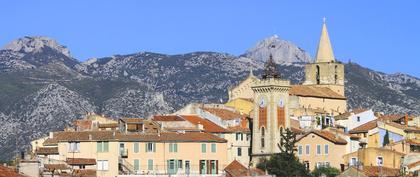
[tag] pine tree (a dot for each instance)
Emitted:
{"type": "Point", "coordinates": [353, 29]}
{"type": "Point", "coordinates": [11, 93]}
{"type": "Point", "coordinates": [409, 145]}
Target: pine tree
{"type": "Point", "coordinates": [386, 139]}
{"type": "Point", "coordinates": [285, 163]}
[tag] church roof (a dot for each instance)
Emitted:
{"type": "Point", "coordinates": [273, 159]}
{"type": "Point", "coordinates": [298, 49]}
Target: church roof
{"type": "Point", "coordinates": [324, 52]}
{"type": "Point", "coordinates": [314, 91]}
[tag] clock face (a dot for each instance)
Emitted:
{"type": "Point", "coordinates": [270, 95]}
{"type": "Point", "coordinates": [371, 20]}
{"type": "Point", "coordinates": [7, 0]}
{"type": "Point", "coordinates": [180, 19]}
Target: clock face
{"type": "Point", "coordinates": [281, 102]}
{"type": "Point", "coordinates": [262, 102]}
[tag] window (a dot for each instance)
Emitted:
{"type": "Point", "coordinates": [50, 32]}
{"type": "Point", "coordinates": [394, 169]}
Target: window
{"type": "Point", "coordinates": [318, 149]}
{"type": "Point", "coordinates": [213, 164]}
{"type": "Point", "coordinates": [327, 164]}
{"type": "Point", "coordinates": [187, 167]}
{"type": "Point", "coordinates": [239, 151]}
{"type": "Point", "coordinates": [74, 146]}
{"type": "Point", "coordinates": [249, 151]}
{"type": "Point", "coordinates": [248, 137]}
{"type": "Point", "coordinates": [171, 169]}
{"type": "Point", "coordinates": [173, 147]}
{"type": "Point", "coordinates": [136, 147]}
{"type": "Point", "coordinates": [102, 146]}
{"type": "Point", "coordinates": [326, 149]}
{"type": "Point", "coordinates": [307, 149]}
{"type": "Point", "coordinates": [203, 167]}
{"type": "Point", "coordinates": [136, 164]}
{"type": "Point", "coordinates": [306, 163]}
{"type": "Point", "coordinates": [242, 136]}
{"type": "Point", "coordinates": [379, 161]}
{"type": "Point", "coordinates": [102, 165]}
{"type": "Point", "coordinates": [213, 147]}
{"type": "Point", "coordinates": [353, 161]}
{"type": "Point", "coordinates": [179, 165]}
{"type": "Point", "coordinates": [262, 137]}
{"type": "Point", "coordinates": [318, 165]}
{"type": "Point", "coordinates": [203, 148]}
{"type": "Point", "coordinates": [300, 149]}
{"type": "Point", "coordinates": [317, 75]}
{"type": "Point", "coordinates": [150, 147]}
{"type": "Point", "coordinates": [237, 136]}
{"type": "Point", "coordinates": [150, 164]}
{"type": "Point", "coordinates": [358, 118]}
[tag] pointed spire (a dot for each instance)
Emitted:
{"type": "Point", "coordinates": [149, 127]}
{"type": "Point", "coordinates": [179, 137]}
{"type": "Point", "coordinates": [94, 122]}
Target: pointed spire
{"type": "Point", "coordinates": [324, 52]}
{"type": "Point", "coordinates": [251, 73]}
{"type": "Point", "coordinates": [270, 69]}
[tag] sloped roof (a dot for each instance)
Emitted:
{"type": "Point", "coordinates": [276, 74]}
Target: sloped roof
{"type": "Point", "coordinates": [52, 167]}
{"type": "Point", "coordinates": [171, 137]}
{"type": "Point", "coordinates": [295, 126]}
{"type": "Point", "coordinates": [236, 169]}
{"type": "Point", "coordinates": [364, 128]}
{"type": "Point", "coordinates": [47, 150]}
{"type": "Point", "coordinates": [7, 172]}
{"type": "Point", "coordinates": [80, 136]}
{"type": "Point", "coordinates": [132, 120]}
{"type": "Point", "coordinates": [108, 125]}
{"type": "Point", "coordinates": [84, 172]}
{"type": "Point", "coordinates": [327, 135]}
{"type": "Point", "coordinates": [223, 113]}
{"type": "Point", "coordinates": [208, 126]}
{"type": "Point", "coordinates": [346, 115]}
{"type": "Point", "coordinates": [163, 118]}
{"type": "Point", "coordinates": [314, 91]}
{"type": "Point", "coordinates": [80, 161]}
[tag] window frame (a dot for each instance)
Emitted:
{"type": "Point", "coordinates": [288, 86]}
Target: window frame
{"type": "Point", "coordinates": [326, 149]}
{"type": "Point", "coordinates": [101, 165]}
{"type": "Point", "coordinates": [318, 150]}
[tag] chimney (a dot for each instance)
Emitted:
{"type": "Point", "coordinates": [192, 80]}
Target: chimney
{"type": "Point", "coordinates": [90, 137]}
{"type": "Point", "coordinates": [51, 135]}
{"type": "Point", "coordinates": [406, 119]}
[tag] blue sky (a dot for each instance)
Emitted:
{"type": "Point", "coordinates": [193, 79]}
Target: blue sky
{"type": "Point", "coordinates": [382, 35]}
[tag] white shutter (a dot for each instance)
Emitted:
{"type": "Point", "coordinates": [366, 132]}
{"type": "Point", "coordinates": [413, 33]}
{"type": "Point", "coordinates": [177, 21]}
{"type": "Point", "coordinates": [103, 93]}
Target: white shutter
{"type": "Point", "coordinates": [105, 167]}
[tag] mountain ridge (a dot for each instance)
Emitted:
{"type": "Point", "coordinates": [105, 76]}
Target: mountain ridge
{"type": "Point", "coordinates": [54, 91]}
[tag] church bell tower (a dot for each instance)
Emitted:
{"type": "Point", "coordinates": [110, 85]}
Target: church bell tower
{"type": "Point", "coordinates": [271, 113]}
{"type": "Point", "coordinates": [325, 71]}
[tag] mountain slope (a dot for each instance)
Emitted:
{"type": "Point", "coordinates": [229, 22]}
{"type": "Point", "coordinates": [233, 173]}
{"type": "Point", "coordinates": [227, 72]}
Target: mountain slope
{"type": "Point", "coordinates": [46, 89]}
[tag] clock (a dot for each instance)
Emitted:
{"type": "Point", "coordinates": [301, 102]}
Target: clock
{"type": "Point", "coordinates": [262, 102]}
{"type": "Point", "coordinates": [281, 102]}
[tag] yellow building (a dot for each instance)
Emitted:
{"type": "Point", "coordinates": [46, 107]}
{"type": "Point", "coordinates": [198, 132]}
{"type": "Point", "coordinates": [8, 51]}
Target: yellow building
{"type": "Point", "coordinates": [321, 148]}
{"type": "Point", "coordinates": [103, 152]}
{"type": "Point", "coordinates": [243, 105]}
{"type": "Point", "coordinates": [373, 156]}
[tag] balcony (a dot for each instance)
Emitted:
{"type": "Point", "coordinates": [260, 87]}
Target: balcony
{"type": "Point", "coordinates": [123, 153]}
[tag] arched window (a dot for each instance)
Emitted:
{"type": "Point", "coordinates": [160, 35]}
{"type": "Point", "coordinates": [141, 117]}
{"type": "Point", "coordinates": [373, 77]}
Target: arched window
{"type": "Point", "coordinates": [262, 137]}
{"type": "Point", "coordinates": [317, 75]}
{"type": "Point", "coordinates": [335, 74]}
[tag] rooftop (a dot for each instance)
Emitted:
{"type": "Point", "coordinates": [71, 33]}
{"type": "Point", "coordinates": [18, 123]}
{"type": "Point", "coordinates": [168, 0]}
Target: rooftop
{"type": "Point", "coordinates": [314, 91]}
{"type": "Point", "coordinates": [223, 113]}
{"type": "Point", "coordinates": [327, 135]}
{"type": "Point", "coordinates": [208, 126]}
{"type": "Point", "coordinates": [346, 115]}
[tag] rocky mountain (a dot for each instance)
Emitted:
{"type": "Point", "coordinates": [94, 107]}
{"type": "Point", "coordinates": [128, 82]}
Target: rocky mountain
{"type": "Point", "coordinates": [42, 88]}
{"type": "Point", "coordinates": [283, 51]}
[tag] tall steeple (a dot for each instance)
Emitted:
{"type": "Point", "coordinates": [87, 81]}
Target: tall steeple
{"type": "Point", "coordinates": [324, 52]}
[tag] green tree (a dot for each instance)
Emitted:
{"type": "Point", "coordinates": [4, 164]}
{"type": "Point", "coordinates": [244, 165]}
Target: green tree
{"type": "Point", "coordinates": [328, 171]}
{"type": "Point", "coordinates": [285, 163]}
{"type": "Point", "coordinates": [386, 139]}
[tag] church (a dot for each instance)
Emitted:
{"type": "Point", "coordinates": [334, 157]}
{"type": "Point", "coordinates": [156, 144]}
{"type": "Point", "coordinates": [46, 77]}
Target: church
{"type": "Point", "coordinates": [276, 103]}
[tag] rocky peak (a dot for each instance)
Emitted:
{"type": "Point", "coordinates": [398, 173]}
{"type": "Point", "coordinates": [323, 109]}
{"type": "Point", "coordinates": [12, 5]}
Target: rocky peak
{"type": "Point", "coordinates": [36, 44]}
{"type": "Point", "coordinates": [283, 51]}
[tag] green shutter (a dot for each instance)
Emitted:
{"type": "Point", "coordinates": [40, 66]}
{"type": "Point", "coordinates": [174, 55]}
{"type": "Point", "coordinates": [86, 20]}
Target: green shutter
{"type": "Point", "coordinates": [145, 147]}
{"type": "Point", "coordinates": [213, 147]}
{"type": "Point", "coordinates": [106, 146]}
{"type": "Point", "coordinates": [150, 164]}
{"type": "Point", "coordinates": [176, 166]}
{"type": "Point", "coordinates": [136, 147]}
{"type": "Point", "coordinates": [98, 146]}
{"type": "Point", "coordinates": [154, 147]}
{"type": "Point", "coordinates": [175, 147]}
{"type": "Point", "coordinates": [170, 147]}
{"type": "Point", "coordinates": [136, 164]}
{"type": "Point", "coordinates": [203, 148]}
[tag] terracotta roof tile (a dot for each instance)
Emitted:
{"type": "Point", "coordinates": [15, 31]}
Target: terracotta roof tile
{"type": "Point", "coordinates": [132, 120]}
{"type": "Point", "coordinates": [391, 117]}
{"type": "Point", "coordinates": [172, 137]}
{"type": "Point", "coordinates": [236, 169]}
{"type": "Point", "coordinates": [80, 136]}
{"type": "Point", "coordinates": [7, 172]}
{"type": "Point", "coordinates": [168, 118]}
{"type": "Point", "coordinates": [295, 126]}
{"type": "Point", "coordinates": [84, 172]}
{"type": "Point", "coordinates": [414, 164]}
{"type": "Point", "coordinates": [52, 167]}
{"type": "Point", "coordinates": [224, 113]}
{"type": "Point", "coordinates": [108, 125]}
{"type": "Point", "coordinates": [47, 150]}
{"type": "Point", "coordinates": [364, 128]}
{"type": "Point", "coordinates": [313, 91]}
{"type": "Point", "coordinates": [326, 135]}
{"type": "Point", "coordinates": [208, 126]}
{"type": "Point", "coordinates": [346, 115]}
{"type": "Point", "coordinates": [413, 142]}
{"type": "Point", "coordinates": [238, 128]}
{"type": "Point", "coordinates": [80, 161]}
